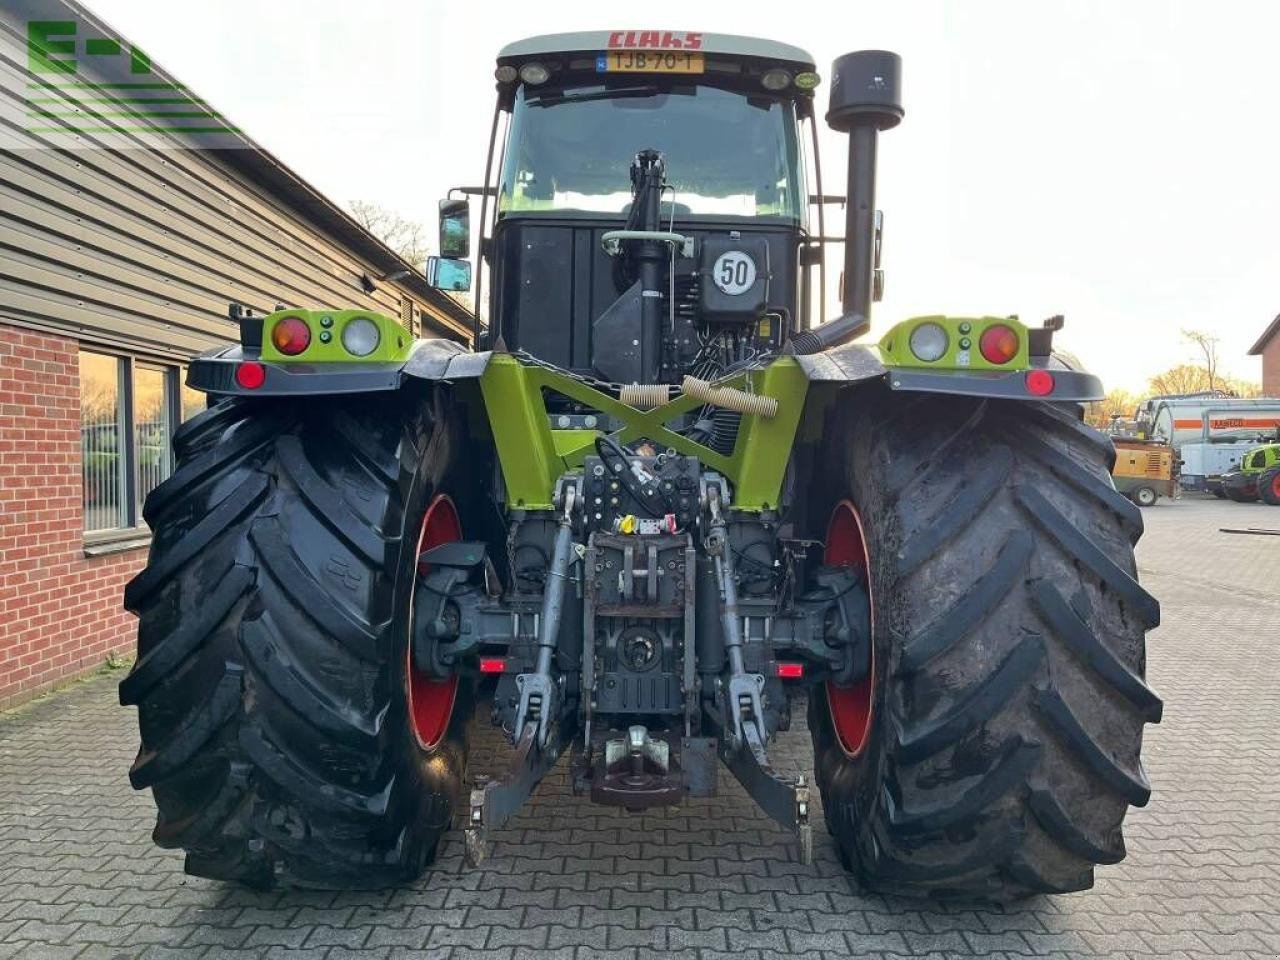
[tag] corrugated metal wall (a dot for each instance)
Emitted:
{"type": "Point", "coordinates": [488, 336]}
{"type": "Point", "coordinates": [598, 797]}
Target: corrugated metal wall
{"type": "Point", "coordinates": [145, 248]}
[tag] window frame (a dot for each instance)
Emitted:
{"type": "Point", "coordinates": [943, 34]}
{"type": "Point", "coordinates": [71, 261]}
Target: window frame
{"type": "Point", "coordinates": [511, 159]}
{"type": "Point", "coordinates": [135, 532]}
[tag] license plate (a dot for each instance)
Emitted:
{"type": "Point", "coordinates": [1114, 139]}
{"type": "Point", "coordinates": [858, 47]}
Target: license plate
{"type": "Point", "coordinates": [650, 61]}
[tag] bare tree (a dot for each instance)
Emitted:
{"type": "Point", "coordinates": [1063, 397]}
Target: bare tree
{"type": "Point", "coordinates": [1184, 378]}
{"type": "Point", "coordinates": [408, 238]}
{"type": "Point", "coordinates": [1117, 403]}
{"type": "Point", "coordinates": [1208, 345]}
{"type": "Point", "coordinates": [1194, 378]}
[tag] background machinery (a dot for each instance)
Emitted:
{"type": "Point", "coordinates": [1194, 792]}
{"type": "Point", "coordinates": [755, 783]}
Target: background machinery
{"type": "Point", "coordinates": [1209, 432]}
{"type": "Point", "coordinates": [1255, 477]}
{"type": "Point", "coordinates": [1145, 470]}
{"type": "Point", "coordinates": [659, 504]}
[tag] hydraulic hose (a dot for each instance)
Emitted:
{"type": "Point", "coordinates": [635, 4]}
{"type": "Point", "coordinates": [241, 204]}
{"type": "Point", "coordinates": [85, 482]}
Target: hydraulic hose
{"type": "Point", "coordinates": [840, 330]}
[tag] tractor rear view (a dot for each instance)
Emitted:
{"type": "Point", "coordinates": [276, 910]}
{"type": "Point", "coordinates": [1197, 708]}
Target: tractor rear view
{"type": "Point", "coordinates": [659, 502]}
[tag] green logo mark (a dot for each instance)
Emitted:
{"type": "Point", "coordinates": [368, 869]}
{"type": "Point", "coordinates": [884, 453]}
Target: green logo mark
{"type": "Point", "coordinates": [80, 84]}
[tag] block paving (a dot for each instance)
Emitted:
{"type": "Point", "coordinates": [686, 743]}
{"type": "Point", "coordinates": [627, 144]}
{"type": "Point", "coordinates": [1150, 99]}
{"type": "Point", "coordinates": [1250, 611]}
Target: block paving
{"type": "Point", "coordinates": [79, 877]}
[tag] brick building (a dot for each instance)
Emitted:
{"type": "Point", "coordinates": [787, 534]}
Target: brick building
{"type": "Point", "coordinates": [1268, 348]}
{"type": "Point", "coordinates": [120, 249]}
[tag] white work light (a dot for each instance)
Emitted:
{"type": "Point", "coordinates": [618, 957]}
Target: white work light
{"type": "Point", "coordinates": [534, 73]}
{"type": "Point", "coordinates": [776, 79]}
{"type": "Point", "coordinates": [928, 342]}
{"type": "Point", "coordinates": [360, 336]}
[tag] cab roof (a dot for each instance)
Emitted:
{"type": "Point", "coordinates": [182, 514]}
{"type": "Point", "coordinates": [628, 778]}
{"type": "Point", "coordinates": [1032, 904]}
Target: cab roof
{"type": "Point", "coordinates": [598, 41]}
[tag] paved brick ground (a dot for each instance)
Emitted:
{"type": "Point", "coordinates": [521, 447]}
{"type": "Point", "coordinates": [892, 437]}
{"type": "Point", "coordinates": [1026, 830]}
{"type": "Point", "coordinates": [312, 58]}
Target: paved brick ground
{"type": "Point", "coordinates": [80, 878]}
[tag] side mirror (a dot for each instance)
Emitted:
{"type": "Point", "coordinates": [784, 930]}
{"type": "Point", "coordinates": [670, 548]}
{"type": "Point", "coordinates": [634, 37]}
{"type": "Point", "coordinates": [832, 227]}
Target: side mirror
{"type": "Point", "coordinates": [447, 274]}
{"type": "Point", "coordinates": [455, 229]}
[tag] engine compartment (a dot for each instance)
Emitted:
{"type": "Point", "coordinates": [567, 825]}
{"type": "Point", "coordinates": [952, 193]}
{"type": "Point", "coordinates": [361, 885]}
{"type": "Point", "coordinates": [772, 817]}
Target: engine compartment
{"type": "Point", "coordinates": [725, 300]}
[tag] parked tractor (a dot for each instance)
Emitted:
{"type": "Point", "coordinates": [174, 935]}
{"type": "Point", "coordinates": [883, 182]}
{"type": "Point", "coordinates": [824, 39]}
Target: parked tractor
{"type": "Point", "coordinates": [1255, 477]}
{"type": "Point", "coordinates": [659, 503]}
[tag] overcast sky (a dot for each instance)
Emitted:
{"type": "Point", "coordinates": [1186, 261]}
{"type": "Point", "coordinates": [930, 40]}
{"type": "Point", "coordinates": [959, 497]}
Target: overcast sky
{"type": "Point", "coordinates": [1115, 162]}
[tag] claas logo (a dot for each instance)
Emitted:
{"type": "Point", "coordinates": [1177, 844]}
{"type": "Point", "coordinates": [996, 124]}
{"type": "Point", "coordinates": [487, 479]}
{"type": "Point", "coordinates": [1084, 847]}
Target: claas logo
{"type": "Point", "coordinates": [654, 40]}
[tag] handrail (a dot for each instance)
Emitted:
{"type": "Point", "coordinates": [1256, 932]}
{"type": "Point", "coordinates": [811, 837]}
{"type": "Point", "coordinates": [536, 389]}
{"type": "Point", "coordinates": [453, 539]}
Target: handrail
{"type": "Point", "coordinates": [611, 240]}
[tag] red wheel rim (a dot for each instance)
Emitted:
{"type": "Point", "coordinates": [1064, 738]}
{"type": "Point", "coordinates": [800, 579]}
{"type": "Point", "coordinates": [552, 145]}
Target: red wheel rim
{"type": "Point", "coordinates": [852, 707]}
{"type": "Point", "coordinates": [1275, 485]}
{"type": "Point", "coordinates": [431, 699]}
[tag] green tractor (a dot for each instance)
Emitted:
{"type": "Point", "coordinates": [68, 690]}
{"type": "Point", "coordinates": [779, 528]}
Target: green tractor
{"type": "Point", "coordinates": [657, 504]}
{"type": "Point", "coordinates": [1256, 478]}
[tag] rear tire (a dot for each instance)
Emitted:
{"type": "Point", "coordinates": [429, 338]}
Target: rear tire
{"type": "Point", "coordinates": [1145, 497]}
{"type": "Point", "coordinates": [1009, 699]}
{"type": "Point", "coordinates": [1239, 490]}
{"type": "Point", "coordinates": [1269, 487]}
{"type": "Point", "coordinates": [272, 643]}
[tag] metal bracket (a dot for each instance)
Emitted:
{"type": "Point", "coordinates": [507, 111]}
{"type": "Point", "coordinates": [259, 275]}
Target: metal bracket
{"type": "Point", "coordinates": [784, 799]}
{"type": "Point", "coordinates": [746, 706]}
{"type": "Point", "coordinates": [537, 703]}
{"type": "Point", "coordinates": [539, 700]}
{"type": "Point", "coordinates": [495, 802]}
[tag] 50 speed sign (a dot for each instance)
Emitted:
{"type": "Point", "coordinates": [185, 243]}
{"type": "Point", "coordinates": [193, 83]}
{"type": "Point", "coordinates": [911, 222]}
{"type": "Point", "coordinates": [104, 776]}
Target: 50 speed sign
{"type": "Point", "coordinates": [734, 273]}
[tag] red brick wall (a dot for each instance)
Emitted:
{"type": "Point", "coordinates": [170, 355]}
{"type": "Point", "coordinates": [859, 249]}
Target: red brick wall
{"type": "Point", "coordinates": [60, 611]}
{"type": "Point", "coordinates": [1271, 368]}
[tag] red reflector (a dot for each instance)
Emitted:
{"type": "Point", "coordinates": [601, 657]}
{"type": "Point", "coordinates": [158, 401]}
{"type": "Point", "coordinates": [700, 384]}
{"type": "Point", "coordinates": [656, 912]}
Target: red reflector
{"type": "Point", "coordinates": [492, 664]}
{"type": "Point", "coordinates": [1039, 382]}
{"type": "Point", "coordinates": [251, 375]}
{"type": "Point", "coordinates": [291, 335]}
{"type": "Point", "coordinates": [999, 344]}
{"type": "Point", "coordinates": [791, 671]}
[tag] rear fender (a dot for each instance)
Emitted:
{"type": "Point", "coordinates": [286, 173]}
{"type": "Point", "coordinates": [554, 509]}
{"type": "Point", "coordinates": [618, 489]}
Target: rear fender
{"type": "Point", "coordinates": [325, 366]}
{"type": "Point", "coordinates": [961, 370]}
{"type": "Point", "coordinates": [215, 372]}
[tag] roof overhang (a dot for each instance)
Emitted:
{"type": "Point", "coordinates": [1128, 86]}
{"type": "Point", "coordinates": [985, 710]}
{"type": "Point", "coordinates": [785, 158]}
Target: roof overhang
{"type": "Point", "coordinates": [1272, 330]}
{"type": "Point", "coordinates": [259, 167]}
{"type": "Point", "coordinates": [599, 41]}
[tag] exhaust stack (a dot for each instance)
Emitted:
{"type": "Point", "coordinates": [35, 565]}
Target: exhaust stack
{"type": "Point", "coordinates": [865, 99]}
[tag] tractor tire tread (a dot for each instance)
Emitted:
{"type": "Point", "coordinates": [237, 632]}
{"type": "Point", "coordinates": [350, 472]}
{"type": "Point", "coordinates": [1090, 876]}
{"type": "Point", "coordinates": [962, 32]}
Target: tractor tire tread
{"type": "Point", "coordinates": [1005, 747]}
{"type": "Point", "coordinates": [274, 734]}
{"type": "Point", "coordinates": [1267, 491]}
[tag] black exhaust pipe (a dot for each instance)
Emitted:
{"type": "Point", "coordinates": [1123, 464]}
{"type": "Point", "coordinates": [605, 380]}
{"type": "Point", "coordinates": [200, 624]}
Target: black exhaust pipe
{"type": "Point", "coordinates": [865, 99]}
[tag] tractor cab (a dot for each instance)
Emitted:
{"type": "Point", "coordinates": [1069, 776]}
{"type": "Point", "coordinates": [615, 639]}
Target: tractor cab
{"type": "Point", "coordinates": [648, 213]}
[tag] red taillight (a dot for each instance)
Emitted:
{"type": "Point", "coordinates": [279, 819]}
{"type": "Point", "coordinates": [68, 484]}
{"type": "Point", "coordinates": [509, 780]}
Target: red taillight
{"type": "Point", "coordinates": [492, 664]}
{"type": "Point", "coordinates": [291, 335]}
{"type": "Point", "coordinates": [251, 375]}
{"type": "Point", "coordinates": [999, 344]}
{"type": "Point", "coordinates": [1039, 382]}
{"type": "Point", "coordinates": [790, 671]}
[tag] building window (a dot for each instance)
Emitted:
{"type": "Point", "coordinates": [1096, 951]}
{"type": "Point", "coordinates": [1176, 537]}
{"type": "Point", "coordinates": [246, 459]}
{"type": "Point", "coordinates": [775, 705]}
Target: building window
{"type": "Point", "coordinates": [152, 428]}
{"type": "Point", "coordinates": [101, 434]}
{"type": "Point", "coordinates": [128, 411]}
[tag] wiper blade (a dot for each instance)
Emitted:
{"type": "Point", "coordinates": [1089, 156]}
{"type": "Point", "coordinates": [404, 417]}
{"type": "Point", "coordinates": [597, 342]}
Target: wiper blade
{"type": "Point", "coordinates": [547, 100]}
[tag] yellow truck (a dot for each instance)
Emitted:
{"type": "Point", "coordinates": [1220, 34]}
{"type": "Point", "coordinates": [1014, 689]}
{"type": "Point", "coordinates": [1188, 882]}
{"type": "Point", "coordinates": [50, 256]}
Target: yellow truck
{"type": "Point", "coordinates": [1145, 470]}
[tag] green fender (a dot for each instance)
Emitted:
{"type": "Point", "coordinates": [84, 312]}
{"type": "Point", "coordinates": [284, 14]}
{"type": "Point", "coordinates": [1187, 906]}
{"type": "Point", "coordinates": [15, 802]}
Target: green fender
{"type": "Point", "coordinates": [506, 393]}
